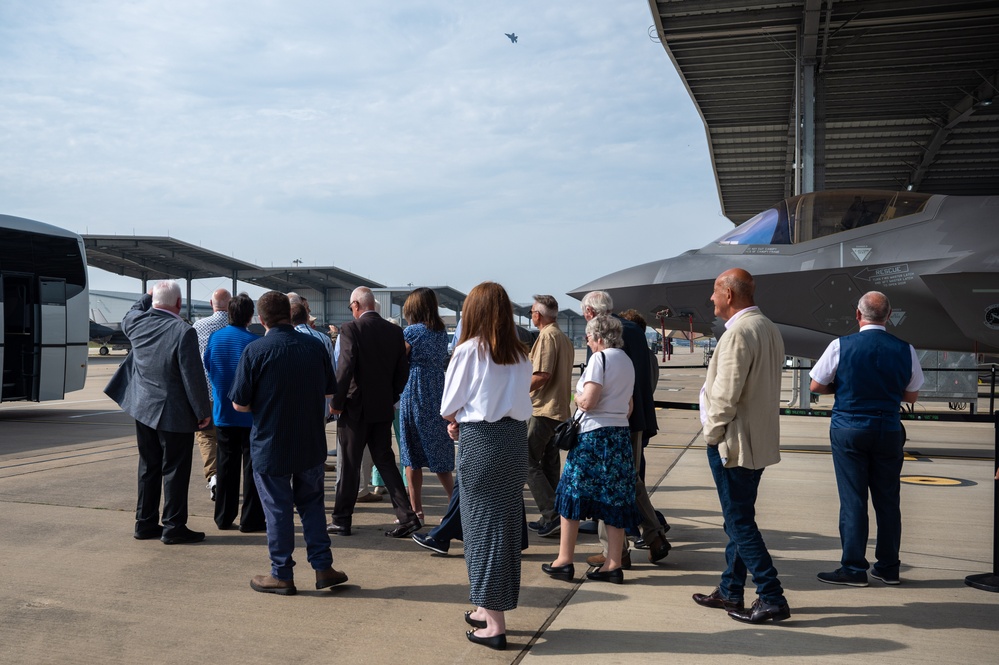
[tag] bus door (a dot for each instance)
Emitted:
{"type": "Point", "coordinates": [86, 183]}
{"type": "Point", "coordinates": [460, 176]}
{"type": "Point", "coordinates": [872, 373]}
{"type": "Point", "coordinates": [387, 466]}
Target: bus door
{"type": "Point", "coordinates": [20, 338]}
{"type": "Point", "coordinates": [52, 301]}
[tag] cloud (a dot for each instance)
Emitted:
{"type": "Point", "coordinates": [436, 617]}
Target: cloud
{"type": "Point", "coordinates": [409, 142]}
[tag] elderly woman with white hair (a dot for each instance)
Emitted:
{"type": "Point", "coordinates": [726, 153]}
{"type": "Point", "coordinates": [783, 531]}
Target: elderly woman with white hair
{"type": "Point", "coordinates": [598, 480]}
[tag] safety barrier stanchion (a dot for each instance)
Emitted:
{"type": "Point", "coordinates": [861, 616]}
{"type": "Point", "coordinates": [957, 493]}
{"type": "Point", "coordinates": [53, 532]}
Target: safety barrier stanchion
{"type": "Point", "coordinates": [990, 581]}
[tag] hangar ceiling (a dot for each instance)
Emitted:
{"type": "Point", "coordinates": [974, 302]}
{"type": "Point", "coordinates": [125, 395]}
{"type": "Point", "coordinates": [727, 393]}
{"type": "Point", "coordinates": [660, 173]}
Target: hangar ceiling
{"type": "Point", "coordinates": [903, 93]}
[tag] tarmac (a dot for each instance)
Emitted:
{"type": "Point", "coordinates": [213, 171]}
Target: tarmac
{"type": "Point", "coordinates": [77, 588]}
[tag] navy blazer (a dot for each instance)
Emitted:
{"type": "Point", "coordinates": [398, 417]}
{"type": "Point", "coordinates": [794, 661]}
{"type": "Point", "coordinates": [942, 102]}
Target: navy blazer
{"type": "Point", "coordinates": [162, 381]}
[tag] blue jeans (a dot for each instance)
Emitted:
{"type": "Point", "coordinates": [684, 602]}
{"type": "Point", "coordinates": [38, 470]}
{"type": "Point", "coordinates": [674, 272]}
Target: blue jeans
{"type": "Point", "coordinates": [746, 551]}
{"type": "Point", "coordinates": [280, 495]}
{"type": "Point", "coordinates": [868, 460]}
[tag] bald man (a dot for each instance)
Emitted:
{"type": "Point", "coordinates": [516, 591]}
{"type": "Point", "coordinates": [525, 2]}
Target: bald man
{"type": "Point", "coordinates": [871, 373]}
{"type": "Point", "coordinates": [740, 404]}
{"type": "Point", "coordinates": [206, 438]}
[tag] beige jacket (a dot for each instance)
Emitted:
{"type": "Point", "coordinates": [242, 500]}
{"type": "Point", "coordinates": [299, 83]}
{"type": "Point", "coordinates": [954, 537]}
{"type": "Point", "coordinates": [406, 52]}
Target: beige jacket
{"type": "Point", "coordinates": [742, 393]}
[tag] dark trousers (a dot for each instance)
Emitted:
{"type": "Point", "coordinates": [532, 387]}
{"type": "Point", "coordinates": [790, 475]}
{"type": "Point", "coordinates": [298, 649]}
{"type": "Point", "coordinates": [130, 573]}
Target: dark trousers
{"type": "Point", "coordinates": [544, 466]}
{"type": "Point", "coordinates": [353, 436]}
{"type": "Point", "coordinates": [746, 551]}
{"type": "Point", "coordinates": [164, 460]}
{"type": "Point", "coordinates": [280, 497]}
{"type": "Point", "coordinates": [868, 460]}
{"type": "Point", "coordinates": [233, 460]}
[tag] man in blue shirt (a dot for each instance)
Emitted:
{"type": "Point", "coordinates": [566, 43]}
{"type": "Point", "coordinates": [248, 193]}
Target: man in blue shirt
{"type": "Point", "coordinates": [871, 373]}
{"type": "Point", "coordinates": [221, 357]}
{"type": "Point", "coordinates": [284, 379]}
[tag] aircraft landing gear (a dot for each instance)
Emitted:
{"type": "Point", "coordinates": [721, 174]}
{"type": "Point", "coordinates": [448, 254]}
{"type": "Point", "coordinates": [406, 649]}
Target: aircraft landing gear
{"type": "Point", "coordinates": [104, 351]}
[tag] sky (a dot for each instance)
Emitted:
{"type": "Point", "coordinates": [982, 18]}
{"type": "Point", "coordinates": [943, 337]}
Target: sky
{"type": "Point", "coordinates": [407, 142]}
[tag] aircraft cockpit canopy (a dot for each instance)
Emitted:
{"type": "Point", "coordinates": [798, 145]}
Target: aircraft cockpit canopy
{"type": "Point", "coordinates": [819, 214]}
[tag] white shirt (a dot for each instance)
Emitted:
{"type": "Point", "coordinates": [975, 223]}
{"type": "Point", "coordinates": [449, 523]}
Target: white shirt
{"type": "Point", "coordinates": [477, 389]}
{"type": "Point", "coordinates": [824, 371]}
{"type": "Point", "coordinates": [615, 373]}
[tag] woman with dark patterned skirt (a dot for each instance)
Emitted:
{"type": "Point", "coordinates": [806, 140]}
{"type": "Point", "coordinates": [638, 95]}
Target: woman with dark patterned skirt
{"type": "Point", "coordinates": [487, 403]}
{"type": "Point", "coordinates": [598, 480]}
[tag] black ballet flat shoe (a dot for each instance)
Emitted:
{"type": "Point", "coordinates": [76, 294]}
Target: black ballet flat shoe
{"type": "Point", "coordinates": [613, 576]}
{"type": "Point", "coordinates": [475, 623]}
{"type": "Point", "coordinates": [497, 642]}
{"type": "Point", "coordinates": [566, 572]}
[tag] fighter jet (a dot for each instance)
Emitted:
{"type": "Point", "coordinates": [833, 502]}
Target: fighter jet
{"type": "Point", "coordinates": [512, 36]}
{"type": "Point", "coordinates": [814, 255]}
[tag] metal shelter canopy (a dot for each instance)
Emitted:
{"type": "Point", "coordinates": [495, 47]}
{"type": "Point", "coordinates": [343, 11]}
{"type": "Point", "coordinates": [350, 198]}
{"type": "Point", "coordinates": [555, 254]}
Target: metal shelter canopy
{"type": "Point", "coordinates": [159, 257]}
{"type": "Point", "coordinates": [899, 94]}
{"type": "Point", "coordinates": [447, 297]}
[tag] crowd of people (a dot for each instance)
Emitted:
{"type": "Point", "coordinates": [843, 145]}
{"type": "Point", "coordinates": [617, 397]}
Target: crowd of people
{"type": "Point", "coordinates": [259, 406]}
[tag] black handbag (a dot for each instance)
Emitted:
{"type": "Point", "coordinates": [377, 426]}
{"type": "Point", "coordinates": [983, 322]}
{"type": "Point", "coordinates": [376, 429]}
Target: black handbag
{"type": "Point", "coordinates": [567, 433]}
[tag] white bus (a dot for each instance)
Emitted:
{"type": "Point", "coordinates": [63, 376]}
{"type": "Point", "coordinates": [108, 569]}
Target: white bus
{"type": "Point", "coordinates": [44, 310]}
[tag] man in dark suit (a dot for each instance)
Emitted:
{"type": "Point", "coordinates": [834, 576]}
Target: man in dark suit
{"type": "Point", "coordinates": [371, 373]}
{"type": "Point", "coordinates": [162, 385]}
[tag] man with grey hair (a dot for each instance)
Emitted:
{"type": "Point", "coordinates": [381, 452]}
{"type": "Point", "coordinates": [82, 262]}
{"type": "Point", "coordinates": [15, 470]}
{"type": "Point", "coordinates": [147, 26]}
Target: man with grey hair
{"type": "Point", "coordinates": [871, 373]}
{"type": "Point", "coordinates": [162, 386]}
{"type": "Point", "coordinates": [551, 357]}
{"type": "Point", "coordinates": [642, 422]}
{"type": "Point", "coordinates": [206, 438]}
{"type": "Point", "coordinates": [371, 373]}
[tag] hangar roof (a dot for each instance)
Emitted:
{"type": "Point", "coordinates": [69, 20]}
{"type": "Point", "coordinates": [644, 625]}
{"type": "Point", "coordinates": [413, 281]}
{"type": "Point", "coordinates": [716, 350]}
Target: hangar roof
{"type": "Point", "coordinates": [159, 257]}
{"type": "Point", "coordinates": [905, 91]}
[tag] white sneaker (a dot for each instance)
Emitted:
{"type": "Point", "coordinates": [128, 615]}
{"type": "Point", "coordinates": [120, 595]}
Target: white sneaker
{"type": "Point", "coordinates": [212, 482]}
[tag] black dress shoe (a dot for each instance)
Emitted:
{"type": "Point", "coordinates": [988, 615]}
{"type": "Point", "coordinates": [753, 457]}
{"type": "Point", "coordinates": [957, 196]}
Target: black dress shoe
{"type": "Point", "coordinates": [497, 642]}
{"type": "Point", "coordinates": [148, 533]}
{"type": "Point", "coordinates": [475, 623]}
{"type": "Point", "coordinates": [182, 536]}
{"type": "Point", "coordinates": [615, 576]}
{"type": "Point", "coordinates": [716, 600]}
{"type": "Point", "coordinates": [403, 530]}
{"type": "Point", "coordinates": [252, 528]}
{"type": "Point", "coordinates": [338, 530]}
{"type": "Point", "coordinates": [566, 572]}
{"type": "Point", "coordinates": [761, 612]}
{"type": "Point", "coordinates": [659, 548]}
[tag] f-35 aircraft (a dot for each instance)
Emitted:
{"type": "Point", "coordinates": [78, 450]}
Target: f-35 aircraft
{"type": "Point", "coordinates": [814, 255]}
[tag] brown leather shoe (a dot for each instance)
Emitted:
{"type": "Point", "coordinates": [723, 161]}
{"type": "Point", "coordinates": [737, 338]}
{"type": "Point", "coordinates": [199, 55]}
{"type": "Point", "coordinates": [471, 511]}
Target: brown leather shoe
{"type": "Point", "coordinates": [717, 601]}
{"type": "Point", "coordinates": [599, 559]}
{"type": "Point", "coordinates": [369, 497]}
{"type": "Point", "coordinates": [269, 584]}
{"type": "Point", "coordinates": [329, 577]}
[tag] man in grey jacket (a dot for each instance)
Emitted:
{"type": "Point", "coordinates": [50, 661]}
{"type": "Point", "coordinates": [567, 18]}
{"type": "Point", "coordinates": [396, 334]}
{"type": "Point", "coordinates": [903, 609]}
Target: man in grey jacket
{"type": "Point", "coordinates": [162, 385]}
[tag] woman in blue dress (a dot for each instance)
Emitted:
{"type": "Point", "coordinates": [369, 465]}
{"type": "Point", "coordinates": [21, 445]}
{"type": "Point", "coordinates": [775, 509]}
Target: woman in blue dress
{"type": "Point", "coordinates": [424, 441]}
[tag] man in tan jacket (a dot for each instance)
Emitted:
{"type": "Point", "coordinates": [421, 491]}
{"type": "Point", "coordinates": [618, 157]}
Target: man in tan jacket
{"type": "Point", "coordinates": [739, 410]}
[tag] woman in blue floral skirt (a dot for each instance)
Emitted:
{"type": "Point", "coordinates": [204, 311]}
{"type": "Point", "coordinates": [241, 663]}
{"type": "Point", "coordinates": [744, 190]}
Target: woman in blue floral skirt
{"type": "Point", "coordinates": [598, 480]}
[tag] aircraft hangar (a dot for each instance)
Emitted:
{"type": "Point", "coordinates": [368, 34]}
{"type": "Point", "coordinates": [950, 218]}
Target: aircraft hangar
{"type": "Point", "coordinates": [151, 258]}
{"type": "Point", "coordinates": [808, 95]}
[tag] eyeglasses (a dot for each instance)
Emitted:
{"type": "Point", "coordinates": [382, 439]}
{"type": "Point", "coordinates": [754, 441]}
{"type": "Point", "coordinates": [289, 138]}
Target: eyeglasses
{"type": "Point", "coordinates": [534, 311]}
{"type": "Point", "coordinates": [352, 303]}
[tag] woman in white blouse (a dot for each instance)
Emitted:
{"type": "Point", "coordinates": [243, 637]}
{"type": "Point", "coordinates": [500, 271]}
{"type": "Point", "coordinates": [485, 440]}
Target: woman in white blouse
{"type": "Point", "coordinates": [487, 403]}
{"type": "Point", "coordinates": [598, 480]}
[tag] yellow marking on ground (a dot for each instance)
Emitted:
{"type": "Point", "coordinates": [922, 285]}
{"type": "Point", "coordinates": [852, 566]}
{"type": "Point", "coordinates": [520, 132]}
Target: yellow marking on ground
{"type": "Point", "coordinates": [929, 480]}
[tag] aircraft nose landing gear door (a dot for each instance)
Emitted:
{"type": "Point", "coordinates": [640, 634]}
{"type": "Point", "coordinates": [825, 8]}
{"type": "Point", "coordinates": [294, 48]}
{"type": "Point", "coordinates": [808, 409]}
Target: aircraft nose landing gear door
{"type": "Point", "coordinates": [52, 301]}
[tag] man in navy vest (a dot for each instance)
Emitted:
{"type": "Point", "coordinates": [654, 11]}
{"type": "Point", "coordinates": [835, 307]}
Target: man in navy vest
{"type": "Point", "coordinates": [871, 373]}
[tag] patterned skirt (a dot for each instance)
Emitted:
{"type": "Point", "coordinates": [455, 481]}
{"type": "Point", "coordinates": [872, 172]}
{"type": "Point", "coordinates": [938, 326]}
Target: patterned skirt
{"type": "Point", "coordinates": [492, 470]}
{"type": "Point", "coordinates": [598, 480]}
